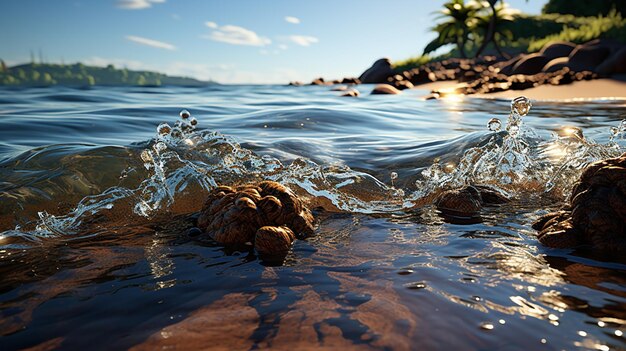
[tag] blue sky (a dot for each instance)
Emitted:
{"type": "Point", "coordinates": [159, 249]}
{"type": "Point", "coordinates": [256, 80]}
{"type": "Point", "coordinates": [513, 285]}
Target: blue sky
{"type": "Point", "coordinates": [235, 41]}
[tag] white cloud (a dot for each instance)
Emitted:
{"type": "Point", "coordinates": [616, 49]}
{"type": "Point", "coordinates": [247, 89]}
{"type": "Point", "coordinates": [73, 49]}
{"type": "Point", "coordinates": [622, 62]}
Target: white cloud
{"type": "Point", "coordinates": [291, 19]}
{"type": "Point", "coordinates": [303, 40]}
{"type": "Point", "coordinates": [150, 42]}
{"type": "Point", "coordinates": [236, 35]}
{"type": "Point", "coordinates": [137, 4]}
{"type": "Point", "coordinates": [211, 24]}
{"type": "Point", "coordinates": [282, 47]}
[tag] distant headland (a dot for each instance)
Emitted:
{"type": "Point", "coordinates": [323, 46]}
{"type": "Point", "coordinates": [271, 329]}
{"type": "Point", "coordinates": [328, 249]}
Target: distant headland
{"type": "Point", "coordinates": [78, 74]}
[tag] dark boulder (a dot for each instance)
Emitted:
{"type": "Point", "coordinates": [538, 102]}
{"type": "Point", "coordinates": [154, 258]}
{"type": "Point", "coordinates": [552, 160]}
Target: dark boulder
{"type": "Point", "coordinates": [588, 57]}
{"type": "Point", "coordinates": [556, 64]}
{"type": "Point", "coordinates": [530, 64]}
{"type": "Point", "coordinates": [378, 73]}
{"type": "Point", "coordinates": [596, 213]}
{"type": "Point", "coordinates": [557, 49]}
{"type": "Point", "coordinates": [614, 64]}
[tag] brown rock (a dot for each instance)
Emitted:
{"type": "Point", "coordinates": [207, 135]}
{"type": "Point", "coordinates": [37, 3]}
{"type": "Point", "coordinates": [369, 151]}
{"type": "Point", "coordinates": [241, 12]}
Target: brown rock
{"type": "Point", "coordinates": [351, 93]}
{"type": "Point", "coordinates": [557, 49]}
{"type": "Point", "coordinates": [319, 81]}
{"type": "Point", "coordinates": [587, 58]}
{"type": "Point", "coordinates": [596, 213]}
{"type": "Point", "coordinates": [384, 89]}
{"type": "Point", "coordinates": [468, 201]}
{"type": "Point", "coordinates": [270, 240]}
{"type": "Point", "coordinates": [233, 216]}
{"type": "Point", "coordinates": [530, 64]}
{"type": "Point", "coordinates": [614, 64]}
{"type": "Point", "coordinates": [378, 73]}
{"type": "Point", "coordinates": [351, 80]}
{"type": "Point", "coordinates": [403, 84]}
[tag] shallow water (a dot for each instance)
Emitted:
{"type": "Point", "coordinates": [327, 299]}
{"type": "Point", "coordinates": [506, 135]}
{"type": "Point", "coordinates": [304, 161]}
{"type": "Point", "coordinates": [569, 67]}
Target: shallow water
{"type": "Point", "coordinates": [378, 274]}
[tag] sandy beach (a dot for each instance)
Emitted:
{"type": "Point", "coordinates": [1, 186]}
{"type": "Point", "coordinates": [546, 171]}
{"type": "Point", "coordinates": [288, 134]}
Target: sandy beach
{"type": "Point", "coordinates": [607, 88]}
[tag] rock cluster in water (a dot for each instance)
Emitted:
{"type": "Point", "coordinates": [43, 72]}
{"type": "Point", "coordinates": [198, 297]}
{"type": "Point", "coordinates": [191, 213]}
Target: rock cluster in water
{"type": "Point", "coordinates": [266, 214]}
{"type": "Point", "coordinates": [596, 213]}
{"type": "Point", "coordinates": [557, 63]}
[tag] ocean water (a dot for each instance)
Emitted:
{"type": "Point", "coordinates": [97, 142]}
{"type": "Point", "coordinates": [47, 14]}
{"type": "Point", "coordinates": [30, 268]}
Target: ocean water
{"type": "Point", "coordinates": [97, 194]}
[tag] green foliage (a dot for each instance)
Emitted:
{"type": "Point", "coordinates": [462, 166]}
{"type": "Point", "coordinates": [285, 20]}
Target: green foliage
{"type": "Point", "coordinates": [584, 29]}
{"type": "Point", "coordinates": [80, 75]}
{"type": "Point", "coordinates": [585, 7]}
{"type": "Point", "coordinates": [456, 27]}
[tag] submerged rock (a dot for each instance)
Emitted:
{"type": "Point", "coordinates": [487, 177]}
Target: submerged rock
{"type": "Point", "coordinates": [382, 89]}
{"type": "Point", "coordinates": [468, 200]}
{"type": "Point", "coordinates": [596, 213]}
{"type": "Point", "coordinates": [266, 214]}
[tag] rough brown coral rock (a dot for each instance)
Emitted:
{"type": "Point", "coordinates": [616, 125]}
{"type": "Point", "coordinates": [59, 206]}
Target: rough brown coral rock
{"type": "Point", "coordinates": [266, 211]}
{"type": "Point", "coordinates": [596, 213]}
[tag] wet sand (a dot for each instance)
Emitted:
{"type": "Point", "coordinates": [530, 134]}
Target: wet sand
{"type": "Point", "coordinates": [610, 88]}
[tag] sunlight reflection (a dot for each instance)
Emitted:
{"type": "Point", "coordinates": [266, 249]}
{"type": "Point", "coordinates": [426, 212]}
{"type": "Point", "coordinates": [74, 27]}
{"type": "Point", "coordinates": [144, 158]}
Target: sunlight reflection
{"type": "Point", "coordinates": [161, 265]}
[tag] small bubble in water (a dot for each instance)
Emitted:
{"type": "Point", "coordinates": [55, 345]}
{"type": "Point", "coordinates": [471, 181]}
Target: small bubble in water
{"type": "Point", "coordinates": [394, 175]}
{"type": "Point", "coordinates": [494, 125]}
{"type": "Point", "coordinates": [164, 129]}
{"type": "Point", "coordinates": [614, 131]}
{"type": "Point", "coordinates": [184, 114]}
{"type": "Point", "coordinates": [160, 146]}
{"type": "Point", "coordinates": [177, 133]}
{"type": "Point", "coordinates": [521, 106]}
{"type": "Point", "coordinates": [486, 325]}
{"type": "Point", "coordinates": [193, 121]}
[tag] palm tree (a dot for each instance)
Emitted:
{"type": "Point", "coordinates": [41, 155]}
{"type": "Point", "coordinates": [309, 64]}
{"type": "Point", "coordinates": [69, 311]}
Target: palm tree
{"type": "Point", "coordinates": [456, 28]}
{"type": "Point", "coordinates": [494, 26]}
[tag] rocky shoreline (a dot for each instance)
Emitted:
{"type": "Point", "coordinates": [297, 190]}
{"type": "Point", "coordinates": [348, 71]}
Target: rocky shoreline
{"type": "Point", "coordinates": [557, 63]}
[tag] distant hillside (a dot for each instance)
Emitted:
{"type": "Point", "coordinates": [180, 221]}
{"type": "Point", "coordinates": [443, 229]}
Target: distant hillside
{"type": "Point", "coordinates": [34, 74]}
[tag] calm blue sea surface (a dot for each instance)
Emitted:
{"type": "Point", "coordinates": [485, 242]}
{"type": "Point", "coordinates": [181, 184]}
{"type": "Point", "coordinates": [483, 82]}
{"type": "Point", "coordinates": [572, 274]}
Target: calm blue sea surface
{"type": "Point", "coordinates": [380, 273]}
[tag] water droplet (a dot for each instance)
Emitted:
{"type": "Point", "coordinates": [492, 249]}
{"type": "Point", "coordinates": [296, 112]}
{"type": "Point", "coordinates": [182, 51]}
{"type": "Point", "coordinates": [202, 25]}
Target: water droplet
{"type": "Point", "coordinates": [543, 341]}
{"type": "Point", "coordinates": [494, 125]}
{"type": "Point", "coordinates": [486, 325]}
{"type": "Point", "coordinates": [405, 271]}
{"type": "Point", "coordinates": [477, 298]}
{"type": "Point", "coordinates": [614, 131]}
{"type": "Point", "coordinates": [184, 114]}
{"type": "Point", "coordinates": [502, 321]}
{"type": "Point", "coordinates": [394, 175]}
{"type": "Point", "coordinates": [619, 333]}
{"type": "Point", "coordinates": [582, 333]}
{"type": "Point", "coordinates": [145, 156]}
{"type": "Point", "coordinates": [601, 324]}
{"type": "Point", "coordinates": [193, 121]}
{"type": "Point", "coordinates": [164, 129]}
{"type": "Point", "coordinates": [521, 106]}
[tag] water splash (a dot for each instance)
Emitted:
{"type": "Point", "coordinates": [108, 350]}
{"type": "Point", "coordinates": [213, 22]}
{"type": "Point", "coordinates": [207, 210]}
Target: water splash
{"type": "Point", "coordinates": [183, 164]}
{"type": "Point", "coordinates": [517, 162]}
